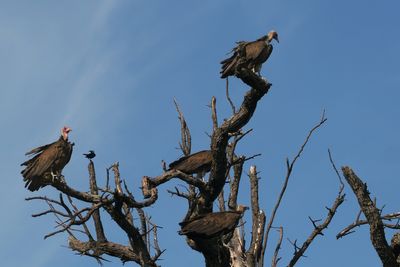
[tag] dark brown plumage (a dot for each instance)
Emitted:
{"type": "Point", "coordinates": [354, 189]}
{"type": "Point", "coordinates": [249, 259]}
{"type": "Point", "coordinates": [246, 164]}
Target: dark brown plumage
{"type": "Point", "coordinates": [212, 224]}
{"type": "Point", "coordinates": [199, 162]}
{"type": "Point", "coordinates": [250, 55]}
{"type": "Point", "coordinates": [48, 160]}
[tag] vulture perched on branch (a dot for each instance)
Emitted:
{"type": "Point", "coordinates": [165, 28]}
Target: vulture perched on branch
{"type": "Point", "coordinates": [199, 162]}
{"type": "Point", "coordinates": [250, 55]}
{"type": "Point", "coordinates": [212, 224]}
{"type": "Point", "coordinates": [48, 162]}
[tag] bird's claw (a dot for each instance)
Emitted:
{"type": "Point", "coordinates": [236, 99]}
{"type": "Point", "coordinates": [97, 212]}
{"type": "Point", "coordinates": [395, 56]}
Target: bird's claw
{"type": "Point", "coordinates": [53, 176]}
{"type": "Point", "coordinates": [60, 177]}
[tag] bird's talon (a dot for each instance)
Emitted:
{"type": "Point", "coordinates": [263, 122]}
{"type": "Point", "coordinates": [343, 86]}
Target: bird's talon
{"type": "Point", "coordinates": [62, 179]}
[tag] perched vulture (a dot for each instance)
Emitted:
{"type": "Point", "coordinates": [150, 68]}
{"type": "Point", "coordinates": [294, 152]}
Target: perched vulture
{"type": "Point", "coordinates": [90, 155]}
{"type": "Point", "coordinates": [48, 161]}
{"type": "Point", "coordinates": [249, 54]}
{"type": "Point", "coordinates": [199, 162]}
{"type": "Point", "coordinates": [212, 224]}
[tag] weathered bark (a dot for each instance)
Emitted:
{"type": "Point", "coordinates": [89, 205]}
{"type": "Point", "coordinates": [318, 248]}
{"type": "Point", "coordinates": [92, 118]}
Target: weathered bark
{"type": "Point", "coordinates": [220, 137]}
{"type": "Point", "coordinates": [124, 253]}
{"type": "Point", "coordinates": [258, 219]}
{"type": "Point", "coordinates": [96, 214]}
{"type": "Point", "coordinates": [377, 232]}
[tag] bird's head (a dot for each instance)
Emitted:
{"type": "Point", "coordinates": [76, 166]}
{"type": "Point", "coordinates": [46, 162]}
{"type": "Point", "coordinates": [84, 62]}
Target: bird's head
{"type": "Point", "coordinates": [272, 35]}
{"type": "Point", "coordinates": [64, 132]}
{"type": "Point", "coordinates": [241, 208]}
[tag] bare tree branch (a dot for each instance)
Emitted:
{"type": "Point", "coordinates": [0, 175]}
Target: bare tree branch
{"type": "Point", "coordinates": [349, 229]}
{"type": "Point", "coordinates": [165, 177]}
{"type": "Point", "coordinates": [186, 139]}
{"type": "Point", "coordinates": [258, 218]}
{"type": "Point", "coordinates": [96, 214]}
{"type": "Point", "coordinates": [220, 136]}
{"type": "Point", "coordinates": [276, 259]}
{"type": "Point", "coordinates": [214, 116]}
{"type": "Point", "coordinates": [318, 228]}
{"type": "Point", "coordinates": [95, 249]}
{"type": "Point", "coordinates": [289, 167]}
{"type": "Point", "coordinates": [373, 216]}
{"type": "Point", "coordinates": [221, 201]}
{"type": "Point", "coordinates": [228, 98]}
{"type": "Point", "coordinates": [234, 184]}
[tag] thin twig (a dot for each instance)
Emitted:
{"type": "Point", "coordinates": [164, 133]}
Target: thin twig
{"type": "Point", "coordinates": [186, 140]}
{"type": "Point", "coordinates": [228, 98]}
{"type": "Point", "coordinates": [214, 116]}
{"type": "Point", "coordinates": [334, 167]}
{"type": "Point", "coordinates": [276, 259]}
{"type": "Point", "coordinates": [289, 166]}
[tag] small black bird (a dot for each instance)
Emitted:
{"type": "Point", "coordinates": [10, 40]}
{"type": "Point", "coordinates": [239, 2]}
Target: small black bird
{"type": "Point", "coordinates": [90, 155]}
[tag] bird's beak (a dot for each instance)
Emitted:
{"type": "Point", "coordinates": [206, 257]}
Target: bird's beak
{"type": "Point", "coordinates": [276, 38]}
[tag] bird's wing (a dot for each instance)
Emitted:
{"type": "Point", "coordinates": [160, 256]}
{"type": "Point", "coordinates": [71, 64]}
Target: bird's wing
{"type": "Point", "coordinates": [201, 225]}
{"type": "Point", "coordinates": [192, 162]}
{"type": "Point", "coordinates": [209, 224]}
{"type": "Point", "coordinates": [229, 64]}
{"type": "Point", "coordinates": [197, 160]}
{"type": "Point", "coordinates": [42, 162]}
{"type": "Point", "coordinates": [68, 152]}
{"type": "Point", "coordinates": [254, 49]}
{"type": "Point", "coordinates": [38, 149]}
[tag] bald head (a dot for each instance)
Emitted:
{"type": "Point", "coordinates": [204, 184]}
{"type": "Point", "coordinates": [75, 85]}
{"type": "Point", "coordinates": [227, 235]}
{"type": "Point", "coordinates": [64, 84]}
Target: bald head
{"type": "Point", "coordinates": [64, 132]}
{"type": "Point", "coordinates": [272, 35]}
{"type": "Point", "coordinates": [241, 208]}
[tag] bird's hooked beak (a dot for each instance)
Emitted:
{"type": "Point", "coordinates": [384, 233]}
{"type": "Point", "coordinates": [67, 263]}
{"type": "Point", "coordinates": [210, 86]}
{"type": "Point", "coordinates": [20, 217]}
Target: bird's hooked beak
{"type": "Point", "coordinates": [273, 35]}
{"type": "Point", "coordinates": [242, 208]}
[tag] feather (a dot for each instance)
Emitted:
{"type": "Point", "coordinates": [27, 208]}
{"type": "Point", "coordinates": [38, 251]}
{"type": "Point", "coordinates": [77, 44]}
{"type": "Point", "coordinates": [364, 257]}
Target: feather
{"type": "Point", "coordinates": [212, 224]}
{"type": "Point", "coordinates": [194, 163]}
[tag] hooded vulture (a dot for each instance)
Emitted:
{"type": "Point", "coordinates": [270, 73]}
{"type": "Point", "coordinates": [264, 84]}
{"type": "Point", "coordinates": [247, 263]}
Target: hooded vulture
{"type": "Point", "coordinates": [199, 162]}
{"type": "Point", "coordinates": [48, 161]}
{"type": "Point", "coordinates": [212, 224]}
{"type": "Point", "coordinates": [250, 55]}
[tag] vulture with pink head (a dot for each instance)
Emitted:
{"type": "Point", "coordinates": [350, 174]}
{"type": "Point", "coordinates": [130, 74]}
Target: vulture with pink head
{"type": "Point", "coordinates": [48, 161]}
{"type": "Point", "coordinates": [250, 55]}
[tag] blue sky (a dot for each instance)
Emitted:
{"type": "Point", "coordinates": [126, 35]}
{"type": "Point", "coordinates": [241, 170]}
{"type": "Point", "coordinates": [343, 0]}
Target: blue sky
{"type": "Point", "coordinates": [110, 70]}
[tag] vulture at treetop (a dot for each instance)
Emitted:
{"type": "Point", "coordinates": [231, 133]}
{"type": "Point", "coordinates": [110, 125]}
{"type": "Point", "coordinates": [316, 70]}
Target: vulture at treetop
{"type": "Point", "coordinates": [48, 161]}
{"type": "Point", "coordinates": [212, 224]}
{"type": "Point", "coordinates": [199, 162]}
{"type": "Point", "coordinates": [249, 54]}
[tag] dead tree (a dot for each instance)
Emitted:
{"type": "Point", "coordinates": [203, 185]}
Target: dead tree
{"type": "Point", "coordinates": [228, 249]}
{"type": "Point", "coordinates": [120, 204]}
